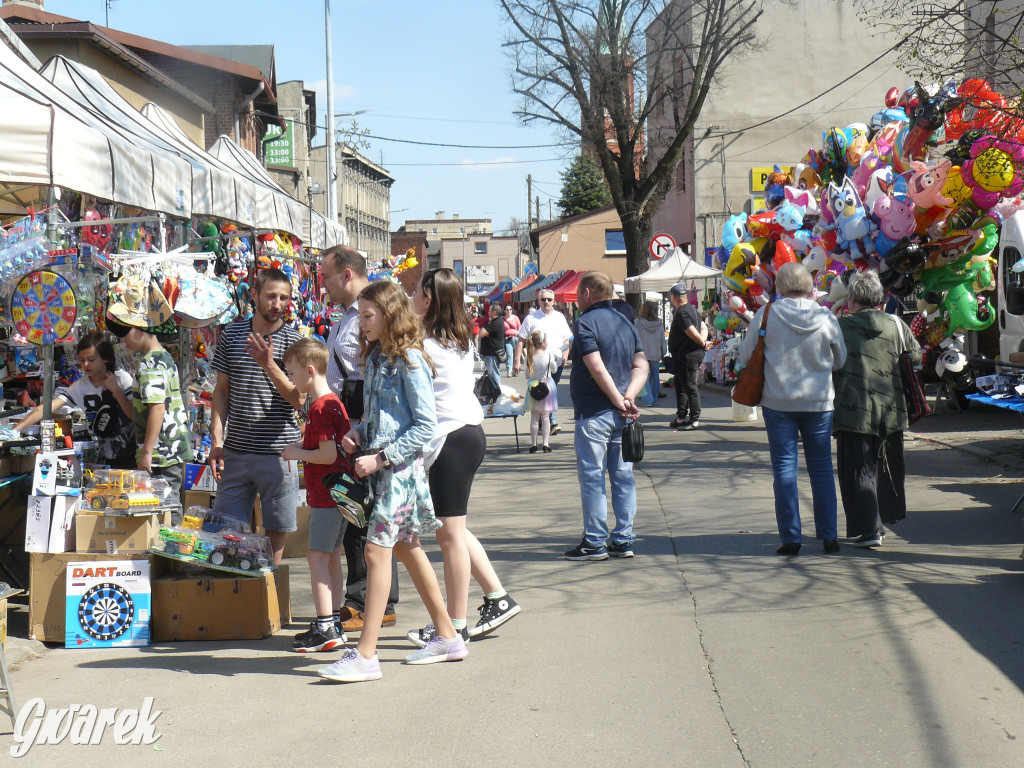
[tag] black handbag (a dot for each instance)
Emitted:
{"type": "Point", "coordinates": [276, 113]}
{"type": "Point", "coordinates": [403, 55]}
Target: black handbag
{"type": "Point", "coordinates": [917, 401]}
{"type": "Point", "coordinates": [633, 441]}
{"type": "Point", "coordinates": [539, 391]}
{"type": "Point", "coordinates": [486, 390]}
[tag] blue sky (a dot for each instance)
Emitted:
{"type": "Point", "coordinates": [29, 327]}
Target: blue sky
{"type": "Point", "coordinates": [426, 71]}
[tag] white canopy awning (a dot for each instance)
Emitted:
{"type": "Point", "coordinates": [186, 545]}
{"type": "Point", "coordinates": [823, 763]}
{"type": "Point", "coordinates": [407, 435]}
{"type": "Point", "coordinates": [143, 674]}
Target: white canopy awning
{"type": "Point", "coordinates": [48, 139]}
{"type": "Point", "coordinates": [677, 267]}
{"type": "Point", "coordinates": [273, 204]}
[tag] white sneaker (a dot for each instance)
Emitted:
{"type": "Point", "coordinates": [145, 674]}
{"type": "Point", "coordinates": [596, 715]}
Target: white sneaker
{"type": "Point", "coordinates": [352, 668]}
{"type": "Point", "coordinates": [440, 649]}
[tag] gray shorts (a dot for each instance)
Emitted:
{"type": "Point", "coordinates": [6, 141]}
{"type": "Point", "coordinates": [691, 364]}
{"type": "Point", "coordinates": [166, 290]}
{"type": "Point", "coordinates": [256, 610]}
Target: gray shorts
{"type": "Point", "coordinates": [326, 529]}
{"type": "Point", "coordinates": [245, 475]}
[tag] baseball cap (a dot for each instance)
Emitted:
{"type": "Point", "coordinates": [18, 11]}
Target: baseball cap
{"type": "Point", "coordinates": [678, 290]}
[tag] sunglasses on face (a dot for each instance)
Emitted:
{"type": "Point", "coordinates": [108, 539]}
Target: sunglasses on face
{"type": "Point", "coordinates": [545, 299]}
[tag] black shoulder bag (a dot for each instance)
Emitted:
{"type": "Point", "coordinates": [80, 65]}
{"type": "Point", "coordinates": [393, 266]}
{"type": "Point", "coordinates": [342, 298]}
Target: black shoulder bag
{"type": "Point", "coordinates": [351, 392]}
{"type": "Point", "coordinates": [633, 441]}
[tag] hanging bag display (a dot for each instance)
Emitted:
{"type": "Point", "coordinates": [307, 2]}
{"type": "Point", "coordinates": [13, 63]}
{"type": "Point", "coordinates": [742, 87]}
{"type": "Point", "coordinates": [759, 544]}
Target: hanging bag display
{"type": "Point", "coordinates": [750, 382]}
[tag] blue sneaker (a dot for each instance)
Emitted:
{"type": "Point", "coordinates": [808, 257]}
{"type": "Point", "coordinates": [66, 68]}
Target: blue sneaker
{"type": "Point", "coordinates": [625, 549]}
{"type": "Point", "coordinates": [584, 552]}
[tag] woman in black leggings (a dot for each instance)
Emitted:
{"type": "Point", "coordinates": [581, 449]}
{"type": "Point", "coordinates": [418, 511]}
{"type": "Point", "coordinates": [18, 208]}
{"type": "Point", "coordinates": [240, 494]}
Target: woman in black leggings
{"type": "Point", "coordinates": [454, 456]}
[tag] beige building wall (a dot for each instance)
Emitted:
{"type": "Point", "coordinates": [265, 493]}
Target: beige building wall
{"type": "Point", "coordinates": [481, 250]}
{"type": "Point", "coordinates": [133, 87]}
{"type": "Point", "coordinates": [579, 243]}
{"type": "Point", "coordinates": [791, 66]}
{"type": "Point", "coordinates": [441, 227]}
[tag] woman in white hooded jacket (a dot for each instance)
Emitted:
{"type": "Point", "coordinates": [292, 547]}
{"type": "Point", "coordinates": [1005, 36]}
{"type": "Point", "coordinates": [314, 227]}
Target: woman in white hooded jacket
{"type": "Point", "coordinates": [655, 345]}
{"type": "Point", "coordinates": [803, 344]}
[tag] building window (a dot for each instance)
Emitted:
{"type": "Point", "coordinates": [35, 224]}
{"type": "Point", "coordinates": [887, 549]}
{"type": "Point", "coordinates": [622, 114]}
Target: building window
{"type": "Point", "coordinates": [614, 243]}
{"type": "Point", "coordinates": [433, 231]}
{"type": "Point", "coordinates": [457, 267]}
{"type": "Point", "coordinates": [480, 247]}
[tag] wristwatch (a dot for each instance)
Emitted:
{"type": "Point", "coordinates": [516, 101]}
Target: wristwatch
{"type": "Point", "coordinates": [385, 461]}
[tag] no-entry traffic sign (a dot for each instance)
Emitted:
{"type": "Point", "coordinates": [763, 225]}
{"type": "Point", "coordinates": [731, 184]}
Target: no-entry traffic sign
{"type": "Point", "coordinates": [661, 245]}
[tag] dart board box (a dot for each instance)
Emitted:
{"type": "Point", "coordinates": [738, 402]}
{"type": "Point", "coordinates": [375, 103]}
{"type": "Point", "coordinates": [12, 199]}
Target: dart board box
{"type": "Point", "coordinates": [108, 604]}
{"type": "Point", "coordinates": [48, 589]}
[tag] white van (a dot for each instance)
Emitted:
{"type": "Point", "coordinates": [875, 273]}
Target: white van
{"type": "Point", "coordinates": [1010, 287]}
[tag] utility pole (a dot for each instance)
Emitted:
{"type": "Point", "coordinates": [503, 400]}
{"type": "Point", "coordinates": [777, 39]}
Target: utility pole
{"type": "Point", "coordinates": [529, 221]}
{"type": "Point", "coordinates": [332, 158]}
{"type": "Point", "coordinates": [537, 200]}
{"type": "Point", "coordinates": [551, 216]}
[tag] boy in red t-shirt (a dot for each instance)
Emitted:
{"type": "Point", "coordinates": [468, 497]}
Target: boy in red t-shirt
{"type": "Point", "coordinates": [327, 423]}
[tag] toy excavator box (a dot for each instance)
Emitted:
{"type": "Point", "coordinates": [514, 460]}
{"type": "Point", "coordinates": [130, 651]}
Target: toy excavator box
{"type": "Point", "coordinates": [124, 492]}
{"type": "Point", "coordinates": [209, 540]}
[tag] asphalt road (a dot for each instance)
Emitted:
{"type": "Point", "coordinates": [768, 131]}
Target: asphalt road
{"type": "Point", "coordinates": [704, 650]}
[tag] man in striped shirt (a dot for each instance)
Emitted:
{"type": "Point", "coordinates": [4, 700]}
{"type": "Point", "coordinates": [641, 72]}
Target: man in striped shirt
{"type": "Point", "coordinates": [251, 422]}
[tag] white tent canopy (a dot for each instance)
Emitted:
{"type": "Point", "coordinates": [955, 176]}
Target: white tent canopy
{"type": "Point", "coordinates": [47, 139]}
{"type": "Point", "coordinates": [677, 267]}
{"type": "Point", "coordinates": [273, 204]}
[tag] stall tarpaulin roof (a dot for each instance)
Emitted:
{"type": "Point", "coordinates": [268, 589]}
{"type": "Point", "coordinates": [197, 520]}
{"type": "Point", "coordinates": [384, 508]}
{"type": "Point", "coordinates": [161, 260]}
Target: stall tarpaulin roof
{"type": "Point", "coordinates": [675, 268]}
{"type": "Point", "coordinates": [48, 139]}
{"type": "Point", "coordinates": [567, 291]}
{"type": "Point", "coordinates": [499, 291]}
{"type": "Point", "coordinates": [564, 280]}
{"type": "Point", "coordinates": [510, 296]}
{"type": "Point", "coordinates": [529, 295]}
{"type": "Point", "coordinates": [275, 208]}
{"type": "Point", "coordinates": [216, 189]}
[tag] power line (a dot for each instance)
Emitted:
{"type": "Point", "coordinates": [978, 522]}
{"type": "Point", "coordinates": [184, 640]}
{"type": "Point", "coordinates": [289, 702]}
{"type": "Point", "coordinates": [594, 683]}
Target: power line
{"type": "Point", "coordinates": [485, 162]}
{"type": "Point", "coordinates": [465, 146]}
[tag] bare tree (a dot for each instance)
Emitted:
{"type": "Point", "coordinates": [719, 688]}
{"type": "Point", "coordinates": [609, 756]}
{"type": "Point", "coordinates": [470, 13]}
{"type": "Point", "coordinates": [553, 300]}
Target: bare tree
{"type": "Point", "coordinates": [598, 69]}
{"type": "Point", "coordinates": [954, 39]}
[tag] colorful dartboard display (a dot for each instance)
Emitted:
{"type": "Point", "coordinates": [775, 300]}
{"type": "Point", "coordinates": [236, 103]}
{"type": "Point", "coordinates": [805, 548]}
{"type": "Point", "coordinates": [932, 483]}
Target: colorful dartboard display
{"type": "Point", "coordinates": [43, 307]}
{"type": "Point", "coordinates": [106, 611]}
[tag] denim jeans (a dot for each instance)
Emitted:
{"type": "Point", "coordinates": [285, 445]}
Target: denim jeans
{"type": "Point", "coordinates": [814, 429]}
{"type": "Point", "coordinates": [510, 351]}
{"type": "Point", "coordinates": [493, 368]}
{"type": "Point", "coordinates": [599, 449]}
{"type": "Point", "coordinates": [653, 384]}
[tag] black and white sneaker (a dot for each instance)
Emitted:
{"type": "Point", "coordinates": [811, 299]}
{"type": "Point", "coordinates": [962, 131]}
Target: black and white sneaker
{"type": "Point", "coordinates": [582, 552]}
{"type": "Point", "coordinates": [678, 423]}
{"type": "Point", "coordinates": [625, 549]}
{"type": "Point", "coordinates": [493, 613]}
{"type": "Point", "coordinates": [686, 427]}
{"type": "Point", "coordinates": [867, 540]}
{"type": "Point", "coordinates": [420, 637]}
{"type": "Point", "coordinates": [314, 639]}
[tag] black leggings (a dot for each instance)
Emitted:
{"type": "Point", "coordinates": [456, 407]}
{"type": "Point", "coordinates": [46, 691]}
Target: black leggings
{"type": "Point", "coordinates": [451, 474]}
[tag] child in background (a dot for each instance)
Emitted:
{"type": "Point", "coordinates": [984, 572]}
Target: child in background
{"type": "Point", "coordinates": [161, 421]}
{"type": "Point", "coordinates": [399, 422]}
{"type": "Point", "coordinates": [326, 425]}
{"type": "Point", "coordinates": [106, 398]}
{"type": "Point", "coordinates": [541, 364]}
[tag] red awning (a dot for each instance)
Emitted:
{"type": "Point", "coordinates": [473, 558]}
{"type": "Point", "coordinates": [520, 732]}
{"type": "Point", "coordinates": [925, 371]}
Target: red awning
{"type": "Point", "coordinates": [567, 292]}
{"type": "Point", "coordinates": [527, 281]}
{"type": "Point", "coordinates": [570, 277]}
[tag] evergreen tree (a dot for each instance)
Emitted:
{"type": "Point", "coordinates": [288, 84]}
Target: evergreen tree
{"type": "Point", "coordinates": [583, 187]}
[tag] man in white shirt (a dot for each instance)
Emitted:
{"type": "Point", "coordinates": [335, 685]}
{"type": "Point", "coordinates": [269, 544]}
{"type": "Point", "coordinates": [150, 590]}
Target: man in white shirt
{"type": "Point", "coordinates": [556, 330]}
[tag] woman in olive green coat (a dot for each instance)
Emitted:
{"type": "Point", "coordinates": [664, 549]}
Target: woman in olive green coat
{"type": "Point", "coordinates": [871, 413]}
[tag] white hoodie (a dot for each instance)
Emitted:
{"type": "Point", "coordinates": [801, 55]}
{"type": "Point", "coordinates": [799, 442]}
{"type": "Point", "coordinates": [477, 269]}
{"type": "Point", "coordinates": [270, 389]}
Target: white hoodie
{"type": "Point", "coordinates": [803, 344]}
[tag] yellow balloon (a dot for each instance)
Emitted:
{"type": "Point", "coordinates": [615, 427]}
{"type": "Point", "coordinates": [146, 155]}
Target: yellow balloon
{"type": "Point", "coordinates": [955, 187]}
{"type": "Point", "coordinates": [993, 170]}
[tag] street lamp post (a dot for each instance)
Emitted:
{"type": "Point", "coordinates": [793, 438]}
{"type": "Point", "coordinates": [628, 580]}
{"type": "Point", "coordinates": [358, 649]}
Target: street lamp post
{"type": "Point", "coordinates": [332, 192]}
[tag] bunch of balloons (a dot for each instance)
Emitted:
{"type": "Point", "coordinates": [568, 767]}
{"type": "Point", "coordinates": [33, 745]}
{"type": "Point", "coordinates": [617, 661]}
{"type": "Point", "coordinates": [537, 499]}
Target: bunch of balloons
{"type": "Point", "coordinates": [917, 194]}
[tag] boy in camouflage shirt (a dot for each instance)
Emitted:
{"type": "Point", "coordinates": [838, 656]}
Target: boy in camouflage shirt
{"type": "Point", "coordinates": [161, 421]}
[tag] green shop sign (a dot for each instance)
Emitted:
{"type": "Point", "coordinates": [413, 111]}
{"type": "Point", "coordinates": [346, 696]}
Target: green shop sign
{"type": "Point", "coordinates": [281, 151]}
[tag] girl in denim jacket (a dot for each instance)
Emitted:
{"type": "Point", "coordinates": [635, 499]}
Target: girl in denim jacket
{"type": "Point", "coordinates": [399, 421]}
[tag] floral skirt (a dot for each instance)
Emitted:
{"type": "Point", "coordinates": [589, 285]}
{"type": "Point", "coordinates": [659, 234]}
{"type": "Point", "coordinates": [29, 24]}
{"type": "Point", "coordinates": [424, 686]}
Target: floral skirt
{"type": "Point", "coordinates": [403, 508]}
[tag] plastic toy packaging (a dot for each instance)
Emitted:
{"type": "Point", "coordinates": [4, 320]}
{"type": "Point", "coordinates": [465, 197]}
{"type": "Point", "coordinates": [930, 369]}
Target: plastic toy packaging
{"type": "Point", "coordinates": [210, 540]}
{"type": "Point", "coordinates": [126, 492]}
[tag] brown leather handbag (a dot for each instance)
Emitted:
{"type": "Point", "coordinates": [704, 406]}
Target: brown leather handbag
{"type": "Point", "coordinates": [750, 382]}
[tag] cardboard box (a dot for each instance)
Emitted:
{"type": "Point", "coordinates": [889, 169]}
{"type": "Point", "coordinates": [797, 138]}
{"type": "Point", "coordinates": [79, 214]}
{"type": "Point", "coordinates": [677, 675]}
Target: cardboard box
{"type": "Point", "coordinates": [6, 466]}
{"type": "Point", "coordinates": [3, 624]}
{"type": "Point", "coordinates": [219, 606]}
{"type": "Point", "coordinates": [198, 477]}
{"type": "Point", "coordinates": [48, 590]}
{"type": "Point", "coordinates": [296, 543]}
{"type": "Point", "coordinates": [57, 472]}
{"type": "Point", "coordinates": [114, 534]}
{"type": "Point", "coordinates": [50, 524]}
{"type": "Point", "coordinates": [198, 499]}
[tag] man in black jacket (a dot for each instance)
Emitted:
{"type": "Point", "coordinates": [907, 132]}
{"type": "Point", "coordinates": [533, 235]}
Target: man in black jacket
{"type": "Point", "coordinates": [687, 340]}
